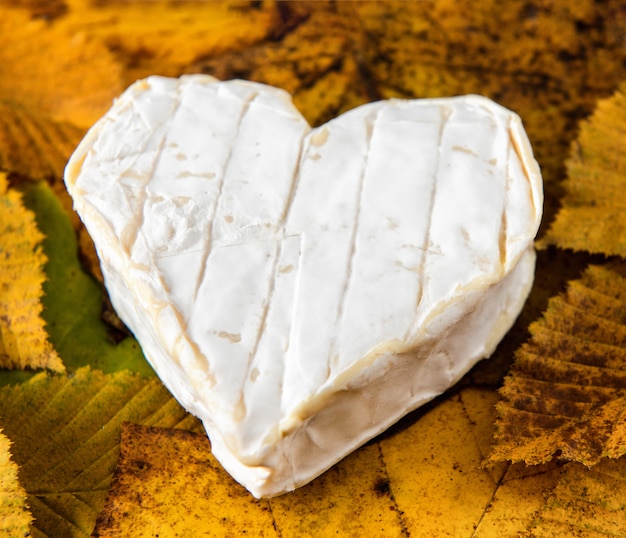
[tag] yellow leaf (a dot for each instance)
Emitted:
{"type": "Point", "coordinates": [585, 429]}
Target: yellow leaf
{"type": "Point", "coordinates": [566, 393]}
{"type": "Point", "coordinates": [423, 479]}
{"type": "Point", "coordinates": [354, 495]}
{"type": "Point", "coordinates": [23, 339]}
{"type": "Point", "coordinates": [592, 216]}
{"type": "Point", "coordinates": [174, 471]}
{"type": "Point", "coordinates": [585, 502]}
{"type": "Point", "coordinates": [68, 76]}
{"type": "Point", "coordinates": [520, 495]}
{"type": "Point", "coordinates": [15, 518]}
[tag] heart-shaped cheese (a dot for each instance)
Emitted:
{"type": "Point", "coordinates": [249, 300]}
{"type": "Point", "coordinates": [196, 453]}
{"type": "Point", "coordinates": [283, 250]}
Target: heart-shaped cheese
{"type": "Point", "coordinates": [302, 289]}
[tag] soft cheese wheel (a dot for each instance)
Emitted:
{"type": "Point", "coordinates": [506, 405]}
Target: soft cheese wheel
{"type": "Point", "coordinates": [299, 289]}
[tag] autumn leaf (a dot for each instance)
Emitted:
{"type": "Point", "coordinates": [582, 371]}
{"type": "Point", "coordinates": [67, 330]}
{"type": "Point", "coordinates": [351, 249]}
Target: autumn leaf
{"type": "Point", "coordinates": [592, 216]}
{"type": "Point", "coordinates": [566, 393]}
{"type": "Point", "coordinates": [548, 62]}
{"type": "Point", "coordinates": [61, 63]}
{"type": "Point", "coordinates": [585, 502]}
{"type": "Point", "coordinates": [316, 61]}
{"type": "Point", "coordinates": [163, 39]}
{"type": "Point", "coordinates": [15, 517]}
{"type": "Point", "coordinates": [162, 469]}
{"type": "Point", "coordinates": [23, 338]}
{"type": "Point", "coordinates": [45, 9]}
{"type": "Point", "coordinates": [32, 144]}
{"type": "Point", "coordinates": [46, 98]}
{"type": "Point", "coordinates": [65, 434]}
{"type": "Point", "coordinates": [43, 67]}
{"type": "Point", "coordinates": [73, 300]}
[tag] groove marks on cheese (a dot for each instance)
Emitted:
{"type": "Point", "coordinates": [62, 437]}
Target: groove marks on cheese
{"type": "Point", "coordinates": [221, 160]}
{"type": "Point", "coordinates": [431, 174]}
{"type": "Point", "coordinates": [245, 238]}
{"type": "Point", "coordinates": [334, 352]}
{"type": "Point", "coordinates": [242, 217]}
{"type": "Point", "coordinates": [286, 258]}
{"type": "Point", "coordinates": [466, 216]}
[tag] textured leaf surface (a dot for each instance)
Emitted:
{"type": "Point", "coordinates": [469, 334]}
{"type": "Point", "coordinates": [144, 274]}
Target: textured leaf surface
{"type": "Point", "coordinates": [43, 67]}
{"type": "Point", "coordinates": [163, 469]}
{"type": "Point", "coordinates": [166, 37]}
{"type": "Point", "coordinates": [592, 217]}
{"type": "Point", "coordinates": [63, 61]}
{"type": "Point", "coordinates": [32, 144]}
{"type": "Point", "coordinates": [73, 301]}
{"type": "Point", "coordinates": [65, 433]}
{"type": "Point", "coordinates": [15, 517]}
{"type": "Point", "coordinates": [566, 393]}
{"type": "Point", "coordinates": [23, 338]}
{"type": "Point", "coordinates": [586, 503]}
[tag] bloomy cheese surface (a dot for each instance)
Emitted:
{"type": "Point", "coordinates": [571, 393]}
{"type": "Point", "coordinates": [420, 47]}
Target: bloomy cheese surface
{"type": "Point", "coordinates": [301, 289]}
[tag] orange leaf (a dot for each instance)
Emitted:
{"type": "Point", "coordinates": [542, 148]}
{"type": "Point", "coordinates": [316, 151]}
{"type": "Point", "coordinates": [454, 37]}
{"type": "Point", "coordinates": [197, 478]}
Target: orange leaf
{"type": "Point", "coordinates": [33, 145]}
{"type": "Point", "coordinates": [63, 74]}
{"type": "Point", "coordinates": [169, 35]}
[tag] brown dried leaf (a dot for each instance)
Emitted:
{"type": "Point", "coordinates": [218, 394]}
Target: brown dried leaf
{"type": "Point", "coordinates": [317, 60]}
{"type": "Point", "coordinates": [592, 216]}
{"type": "Point", "coordinates": [46, 9]}
{"type": "Point", "coordinates": [566, 393]}
{"type": "Point", "coordinates": [23, 339]}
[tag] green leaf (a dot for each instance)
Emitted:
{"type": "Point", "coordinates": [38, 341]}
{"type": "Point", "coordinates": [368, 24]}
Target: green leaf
{"type": "Point", "coordinates": [65, 433]}
{"type": "Point", "coordinates": [72, 299]}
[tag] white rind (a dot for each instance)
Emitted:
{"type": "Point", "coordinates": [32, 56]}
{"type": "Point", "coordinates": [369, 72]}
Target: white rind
{"type": "Point", "coordinates": [302, 289]}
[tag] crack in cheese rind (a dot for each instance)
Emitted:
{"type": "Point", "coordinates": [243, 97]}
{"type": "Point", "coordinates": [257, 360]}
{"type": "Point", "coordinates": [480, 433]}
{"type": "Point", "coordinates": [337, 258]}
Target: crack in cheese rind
{"type": "Point", "coordinates": [302, 289]}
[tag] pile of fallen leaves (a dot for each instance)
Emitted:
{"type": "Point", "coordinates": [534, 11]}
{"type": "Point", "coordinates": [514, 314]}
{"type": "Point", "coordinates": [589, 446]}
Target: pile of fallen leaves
{"type": "Point", "coordinates": [94, 441]}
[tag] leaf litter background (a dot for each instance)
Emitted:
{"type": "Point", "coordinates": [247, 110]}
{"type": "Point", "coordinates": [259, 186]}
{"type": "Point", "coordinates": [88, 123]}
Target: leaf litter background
{"type": "Point", "coordinates": [103, 444]}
